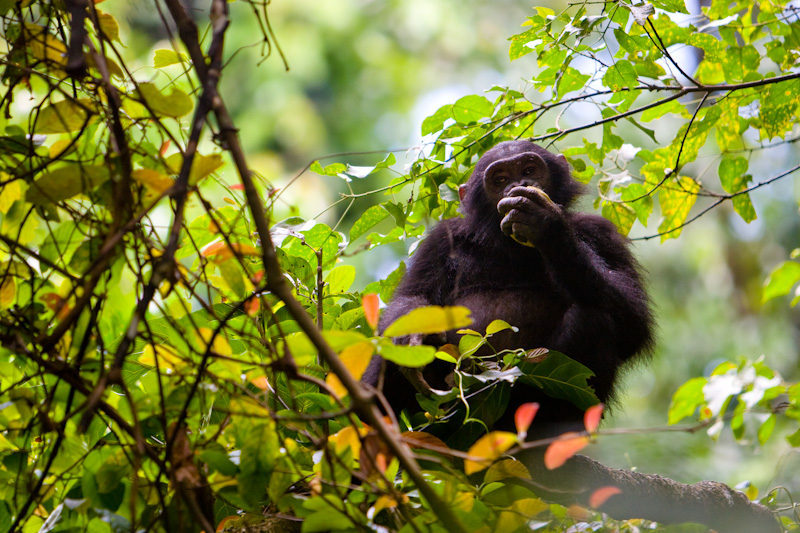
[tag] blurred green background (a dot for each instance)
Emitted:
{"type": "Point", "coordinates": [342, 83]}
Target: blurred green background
{"type": "Point", "coordinates": [361, 77]}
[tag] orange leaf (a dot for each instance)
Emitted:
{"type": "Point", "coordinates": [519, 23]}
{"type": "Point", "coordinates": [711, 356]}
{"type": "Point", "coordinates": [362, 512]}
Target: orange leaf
{"type": "Point", "coordinates": [602, 494]}
{"type": "Point", "coordinates": [487, 449]}
{"type": "Point", "coordinates": [565, 447]}
{"type": "Point", "coordinates": [370, 303]}
{"type": "Point", "coordinates": [237, 187]}
{"type": "Point", "coordinates": [523, 418]}
{"type": "Point", "coordinates": [220, 251]}
{"type": "Point", "coordinates": [252, 306]}
{"type": "Point", "coordinates": [592, 417]}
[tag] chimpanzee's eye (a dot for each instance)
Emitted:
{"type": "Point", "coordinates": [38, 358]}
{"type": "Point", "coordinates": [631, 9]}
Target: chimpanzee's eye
{"type": "Point", "coordinates": [500, 179]}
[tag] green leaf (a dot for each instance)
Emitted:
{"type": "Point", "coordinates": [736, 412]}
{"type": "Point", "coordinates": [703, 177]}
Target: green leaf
{"type": "Point", "coordinates": [561, 377]}
{"type": "Point", "coordinates": [260, 449]}
{"type": "Point", "coordinates": [340, 279]}
{"type": "Point", "coordinates": [621, 74]}
{"type": "Point", "coordinates": [765, 430]}
{"type": "Point", "coordinates": [497, 326]}
{"type": "Point", "coordinates": [176, 104]}
{"type": "Point", "coordinates": [571, 80]}
{"type": "Point", "coordinates": [435, 122]}
{"type": "Point", "coordinates": [471, 108]}
{"type": "Point", "coordinates": [686, 400]}
{"type": "Point", "coordinates": [781, 280]}
{"type": "Point", "coordinates": [65, 182]}
{"type": "Point", "coordinates": [164, 58]}
{"type": "Point", "coordinates": [730, 171]}
{"type": "Point", "coordinates": [368, 220]}
{"type": "Point", "coordinates": [430, 319]}
{"type": "Point", "coordinates": [408, 356]}
{"type": "Point", "coordinates": [676, 197]}
{"type": "Point", "coordinates": [64, 116]}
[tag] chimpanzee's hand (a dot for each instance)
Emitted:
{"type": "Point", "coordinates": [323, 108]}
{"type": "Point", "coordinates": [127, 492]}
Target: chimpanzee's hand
{"type": "Point", "coordinates": [529, 215]}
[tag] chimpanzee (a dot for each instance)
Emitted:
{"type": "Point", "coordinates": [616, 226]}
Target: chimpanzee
{"type": "Point", "coordinates": [566, 280]}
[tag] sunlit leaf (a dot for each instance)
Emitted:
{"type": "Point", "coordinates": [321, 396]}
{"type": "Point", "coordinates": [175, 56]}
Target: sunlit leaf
{"type": "Point", "coordinates": [408, 356]}
{"type": "Point", "coordinates": [487, 449]}
{"type": "Point", "coordinates": [355, 358]}
{"type": "Point", "coordinates": [560, 451]}
{"type": "Point", "coordinates": [471, 109]}
{"type": "Point", "coordinates": [164, 58]}
{"type": "Point", "coordinates": [430, 319]}
{"type": "Point", "coordinates": [340, 279]}
{"type": "Point", "coordinates": [161, 355]}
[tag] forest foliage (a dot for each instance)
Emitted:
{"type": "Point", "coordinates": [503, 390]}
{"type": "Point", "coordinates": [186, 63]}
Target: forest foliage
{"type": "Point", "coordinates": [167, 373]}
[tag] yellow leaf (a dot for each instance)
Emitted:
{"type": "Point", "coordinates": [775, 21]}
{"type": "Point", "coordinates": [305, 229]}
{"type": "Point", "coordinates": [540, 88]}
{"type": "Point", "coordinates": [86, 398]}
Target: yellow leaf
{"type": "Point", "coordinates": [166, 356]}
{"type": "Point", "coordinates": [519, 513]}
{"type": "Point", "coordinates": [164, 58]}
{"type": "Point", "coordinates": [430, 319]}
{"type": "Point", "coordinates": [10, 193]}
{"type": "Point", "coordinates": [356, 358]}
{"type": "Point", "coordinates": [676, 198]}
{"type": "Point", "coordinates": [487, 449]}
{"type": "Point", "coordinates": [152, 179]}
{"type": "Point", "coordinates": [348, 437]}
{"type": "Point", "coordinates": [8, 292]}
{"type": "Point", "coordinates": [204, 165]}
{"type": "Point", "coordinates": [219, 345]}
{"type": "Point", "coordinates": [109, 26]}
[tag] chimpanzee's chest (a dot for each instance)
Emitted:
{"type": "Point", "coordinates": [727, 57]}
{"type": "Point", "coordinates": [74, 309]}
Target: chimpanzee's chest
{"type": "Point", "coordinates": [522, 293]}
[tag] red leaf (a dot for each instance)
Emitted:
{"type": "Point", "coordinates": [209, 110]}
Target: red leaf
{"type": "Point", "coordinates": [592, 417]}
{"type": "Point", "coordinates": [602, 494]}
{"type": "Point", "coordinates": [523, 418]}
{"type": "Point", "coordinates": [237, 187]}
{"type": "Point", "coordinates": [565, 447]}
{"type": "Point", "coordinates": [371, 306]}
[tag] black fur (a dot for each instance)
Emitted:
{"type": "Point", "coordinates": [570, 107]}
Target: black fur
{"type": "Point", "coordinates": [578, 291]}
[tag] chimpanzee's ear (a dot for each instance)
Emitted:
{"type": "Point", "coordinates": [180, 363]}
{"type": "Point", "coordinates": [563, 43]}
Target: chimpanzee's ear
{"type": "Point", "coordinates": [462, 191]}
